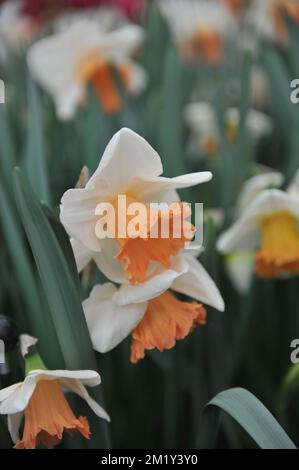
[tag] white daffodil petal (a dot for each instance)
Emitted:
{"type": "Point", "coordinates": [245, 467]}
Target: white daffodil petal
{"type": "Point", "coordinates": [240, 266]}
{"type": "Point", "coordinates": [19, 398]}
{"type": "Point", "coordinates": [109, 323]}
{"type": "Point", "coordinates": [126, 157]}
{"type": "Point", "coordinates": [87, 377]}
{"type": "Point", "coordinates": [13, 424]}
{"type": "Point", "coordinates": [26, 342]}
{"type": "Point", "coordinates": [82, 255]}
{"type": "Point", "coordinates": [256, 184]}
{"type": "Point", "coordinates": [77, 214]}
{"type": "Point", "coordinates": [198, 284]}
{"type": "Point", "coordinates": [146, 188]}
{"type": "Point", "coordinates": [122, 42]}
{"type": "Point", "coordinates": [154, 287]}
{"type": "Point", "coordinates": [105, 260]}
{"type": "Point", "coordinates": [77, 387]}
{"type": "Point", "coordinates": [244, 234]}
{"type": "Point", "coordinates": [137, 78]}
{"type": "Point", "coordinates": [8, 391]}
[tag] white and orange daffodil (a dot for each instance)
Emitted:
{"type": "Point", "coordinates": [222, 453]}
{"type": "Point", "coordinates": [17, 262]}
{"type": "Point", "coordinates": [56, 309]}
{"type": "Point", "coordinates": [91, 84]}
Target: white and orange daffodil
{"type": "Point", "coordinates": [240, 264]}
{"type": "Point", "coordinates": [267, 17]}
{"type": "Point", "coordinates": [150, 312]}
{"type": "Point", "coordinates": [269, 227]}
{"type": "Point", "coordinates": [84, 54]}
{"type": "Point", "coordinates": [200, 28]}
{"type": "Point", "coordinates": [205, 132]}
{"type": "Point", "coordinates": [40, 398]}
{"type": "Point", "coordinates": [130, 167]}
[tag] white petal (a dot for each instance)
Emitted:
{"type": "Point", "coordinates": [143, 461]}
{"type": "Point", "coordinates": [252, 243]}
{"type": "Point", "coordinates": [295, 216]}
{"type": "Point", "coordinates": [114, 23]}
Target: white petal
{"type": "Point", "coordinates": [26, 342]}
{"type": "Point", "coordinates": [127, 157]}
{"type": "Point", "coordinates": [77, 387]}
{"type": "Point", "coordinates": [19, 398]}
{"type": "Point", "coordinates": [147, 188]}
{"type": "Point", "coordinates": [82, 254]}
{"type": "Point", "coordinates": [258, 124]}
{"type": "Point", "coordinates": [8, 391]}
{"type": "Point", "coordinates": [253, 187]}
{"type": "Point", "coordinates": [87, 377]}
{"type": "Point", "coordinates": [105, 260]}
{"type": "Point", "coordinates": [137, 78]}
{"type": "Point", "coordinates": [108, 322]}
{"type": "Point", "coordinates": [122, 42]}
{"type": "Point", "coordinates": [245, 233]}
{"type": "Point", "coordinates": [77, 214]}
{"type": "Point", "coordinates": [13, 424]}
{"type": "Point", "coordinates": [198, 284]}
{"type": "Point", "coordinates": [293, 189]}
{"type": "Point", "coordinates": [240, 268]}
{"type": "Point", "coordinates": [154, 287]}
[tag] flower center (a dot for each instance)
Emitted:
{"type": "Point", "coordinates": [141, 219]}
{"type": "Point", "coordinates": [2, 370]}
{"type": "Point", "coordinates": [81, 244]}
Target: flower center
{"type": "Point", "coordinates": [279, 251]}
{"type": "Point", "coordinates": [47, 415]}
{"type": "Point", "coordinates": [166, 320]}
{"type": "Point", "coordinates": [205, 44]}
{"type": "Point", "coordinates": [160, 235]}
{"type": "Point", "coordinates": [97, 71]}
{"type": "Point", "coordinates": [211, 146]}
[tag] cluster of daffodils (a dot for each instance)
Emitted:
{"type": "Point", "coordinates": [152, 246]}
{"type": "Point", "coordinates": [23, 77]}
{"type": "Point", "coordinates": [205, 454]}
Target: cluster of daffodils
{"type": "Point", "coordinates": [205, 129]}
{"type": "Point", "coordinates": [266, 230]}
{"type": "Point", "coordinates": [144, 271]}
{"type": "Point", "coordinates": [40, 404]}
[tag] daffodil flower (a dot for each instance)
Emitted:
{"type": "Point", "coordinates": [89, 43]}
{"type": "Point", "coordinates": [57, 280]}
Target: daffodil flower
{"type": "Point", "coordinates": [270, 227]}
{"type": "Point", "coordinates": [267, 17]}
{"type": "Point", "coordinates": [205, 133]}
{"type": "Point", "coordinates": [40, 398]}
{"type": "Point", "coordinates": [200, 29]}
{"type": "Point", "coordinates": [150, 312]}
{"type": "Point", "coordinates": [130, 167]}
{"type": "Point", "coordinates": [67, 62]}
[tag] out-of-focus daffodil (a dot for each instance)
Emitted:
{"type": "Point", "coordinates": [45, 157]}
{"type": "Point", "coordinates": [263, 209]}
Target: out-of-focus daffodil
{"type": "Point", "coordinates": [40, 398]}
{"type": "Point", "coordinates": [269, 226]}
{"type": "Point", "coordinates": [267, 17]}
{"type": "Point", "coordinates": [85, 54]}
{"type": "Point", "coordinates": [205, 132]}
{"type": "Point", "coordinates": [200, 29]}
{"type": "Point", "coordinates": [129, 167]}
{"type": "Point", "coordinates": [150, 312]}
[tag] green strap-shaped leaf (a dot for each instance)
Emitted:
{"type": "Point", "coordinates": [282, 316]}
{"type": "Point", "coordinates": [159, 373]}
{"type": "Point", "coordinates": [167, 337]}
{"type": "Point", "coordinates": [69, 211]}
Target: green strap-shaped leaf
{"type": "Point", "coordinates": [35, 159]}
{"type": "Point", "coordinates": [254, 418]}
{"type": "Point", "coordinates": [61, 292]}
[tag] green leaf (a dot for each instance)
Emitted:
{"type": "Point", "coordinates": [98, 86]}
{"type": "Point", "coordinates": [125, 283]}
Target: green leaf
{"type": "Point", "coordinates": [7, 151]}
{"type": "Point", "coordinates": [34, 158]}
{"type": "Point", "coordinates": [62, 294]}
{"type": "Point", "coordinates": [253, 417]}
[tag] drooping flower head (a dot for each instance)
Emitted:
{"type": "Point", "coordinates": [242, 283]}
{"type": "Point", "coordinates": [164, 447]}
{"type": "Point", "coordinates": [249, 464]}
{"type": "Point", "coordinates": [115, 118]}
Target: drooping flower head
{"type": "Point", "coordinates": [41, 400]}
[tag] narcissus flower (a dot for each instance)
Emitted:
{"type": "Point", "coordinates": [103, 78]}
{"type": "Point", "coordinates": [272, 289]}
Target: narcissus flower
{"type": "Point", "coordinates": [40, 398]}
{"type": "Point", "coordinates": [129, 168]}
{"type": "Point", "coordinates": [200, 29]}
{"type": "Point", "coordinates": [150, 312]}
{"type": "Point", "coordinates": [270, 227]}
{"type": "Point", "coordinates": [205, 131]}
{"type": "Point", "coordinates": [267, 17]}
{"type": "Point", "coordinates": [67, 62]}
